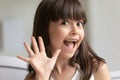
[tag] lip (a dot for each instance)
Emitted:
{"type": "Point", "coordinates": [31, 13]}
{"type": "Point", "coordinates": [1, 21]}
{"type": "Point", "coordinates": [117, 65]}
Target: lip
{"type": "Point", "coordinates": [71, 49]}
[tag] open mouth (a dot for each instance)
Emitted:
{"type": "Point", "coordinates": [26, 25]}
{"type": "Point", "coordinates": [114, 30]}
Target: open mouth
{"type": "Point", "coordinates": [70, 43]}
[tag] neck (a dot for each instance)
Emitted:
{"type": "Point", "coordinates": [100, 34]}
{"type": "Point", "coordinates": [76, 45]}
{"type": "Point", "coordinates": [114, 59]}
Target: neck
{"type": "Point", "coordinates": [62, 68]}
{"type": "Point", "coordinates": [61, 65]}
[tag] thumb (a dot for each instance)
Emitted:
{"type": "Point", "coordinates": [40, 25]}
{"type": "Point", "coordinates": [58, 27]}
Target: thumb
{"type": "Point", "coordinates": [56, 54]}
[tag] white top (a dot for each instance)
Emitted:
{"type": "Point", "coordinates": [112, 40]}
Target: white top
{"type": "Point", "coordinates": [77, 76]}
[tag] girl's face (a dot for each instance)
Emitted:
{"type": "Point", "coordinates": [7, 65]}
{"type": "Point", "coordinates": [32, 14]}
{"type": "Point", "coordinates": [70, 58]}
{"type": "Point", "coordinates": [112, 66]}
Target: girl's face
{"type": "Point", "coordinates": [65, 35]}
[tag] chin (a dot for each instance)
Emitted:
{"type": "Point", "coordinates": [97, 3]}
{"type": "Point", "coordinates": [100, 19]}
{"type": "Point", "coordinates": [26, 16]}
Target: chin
{"type": "Point", "coordinates": [67, 55]}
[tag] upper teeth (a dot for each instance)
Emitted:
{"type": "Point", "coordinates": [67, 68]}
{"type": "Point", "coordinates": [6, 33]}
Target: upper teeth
{"type": "Point", "coordinates": [72, 40]}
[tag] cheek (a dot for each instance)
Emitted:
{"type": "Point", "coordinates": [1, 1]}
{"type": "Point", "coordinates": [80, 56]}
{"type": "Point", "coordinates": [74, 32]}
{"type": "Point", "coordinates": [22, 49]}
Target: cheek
{"type": "Point", "coordinates": [82, 34]}
{"type": "Point", "coordinates": [56, 38]}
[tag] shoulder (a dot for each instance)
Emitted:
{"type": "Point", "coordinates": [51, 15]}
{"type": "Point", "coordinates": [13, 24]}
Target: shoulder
{"type": "Point", "coordinates": [102, 72]}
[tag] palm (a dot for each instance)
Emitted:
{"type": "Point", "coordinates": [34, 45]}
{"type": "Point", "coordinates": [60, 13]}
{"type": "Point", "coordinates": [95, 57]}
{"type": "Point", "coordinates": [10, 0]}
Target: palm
{"type": "Point", "coordinates": [38, 59]}
{"type": "Point", "coordinates": [42, 64]}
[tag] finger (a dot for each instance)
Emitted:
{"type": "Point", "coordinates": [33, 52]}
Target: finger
{"type": "Point", "coordinates": [41, 44]}
{"type": "Point", "coordinates": [23, 58]}
{"type": "Point", "coordinates": [35, 46]}
{"type": "Point", "coordinates": [29, 50]}
{"type": "Point", "coordinates": [56, 54]}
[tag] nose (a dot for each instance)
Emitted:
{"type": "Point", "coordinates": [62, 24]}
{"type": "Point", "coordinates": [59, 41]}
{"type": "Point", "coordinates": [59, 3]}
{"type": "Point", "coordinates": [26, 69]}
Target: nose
{"type": "Point", "coordinates": [74, 30]}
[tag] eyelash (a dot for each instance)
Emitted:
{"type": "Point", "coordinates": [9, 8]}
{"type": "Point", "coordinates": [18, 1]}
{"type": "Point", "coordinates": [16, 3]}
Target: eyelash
{"type": "Point", "coordinates": [67, 23]}
{"type": "Point", "coordinates": [79, 24]}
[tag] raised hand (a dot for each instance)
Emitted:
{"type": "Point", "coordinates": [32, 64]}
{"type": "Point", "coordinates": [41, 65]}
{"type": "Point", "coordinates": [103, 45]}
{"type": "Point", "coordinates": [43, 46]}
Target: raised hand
{"type": "Point", "coordinates": [39, 60]}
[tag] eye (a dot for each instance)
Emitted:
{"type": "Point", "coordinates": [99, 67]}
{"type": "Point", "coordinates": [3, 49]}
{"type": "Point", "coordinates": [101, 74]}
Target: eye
{"type": "Point", "coordinates": [65, 23]}
{"type": "Point", "coordinates": [80, 24]}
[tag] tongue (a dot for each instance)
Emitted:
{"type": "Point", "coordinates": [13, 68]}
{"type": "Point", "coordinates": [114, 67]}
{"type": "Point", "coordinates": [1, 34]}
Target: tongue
{"type": "Point", "coordinates": [69, 44]}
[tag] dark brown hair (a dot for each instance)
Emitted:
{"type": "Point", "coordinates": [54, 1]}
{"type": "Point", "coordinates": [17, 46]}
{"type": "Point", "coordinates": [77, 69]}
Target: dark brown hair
{"type": "Point", "coordinates": [65, 9]}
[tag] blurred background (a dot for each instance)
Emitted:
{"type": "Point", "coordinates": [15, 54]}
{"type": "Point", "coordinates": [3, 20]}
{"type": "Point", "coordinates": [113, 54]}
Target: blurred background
{"type": "Point", "coordinates": [103, 27]}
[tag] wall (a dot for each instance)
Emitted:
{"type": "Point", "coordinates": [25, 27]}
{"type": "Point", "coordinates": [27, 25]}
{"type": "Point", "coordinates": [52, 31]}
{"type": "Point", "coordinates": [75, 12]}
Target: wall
{"type": "Point", "coordinates": [104, 23]}
{"type": "Point", "coordinates": [18, 10]}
